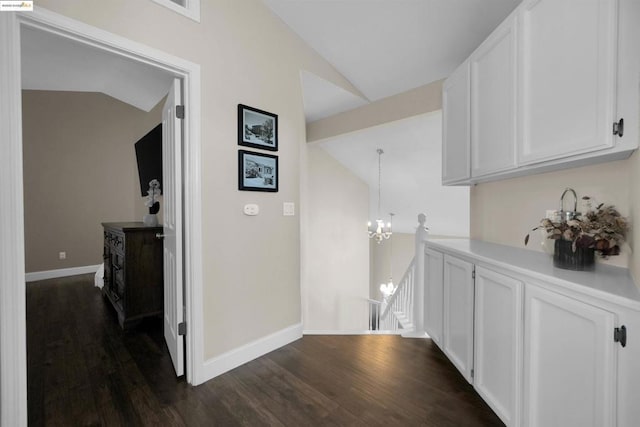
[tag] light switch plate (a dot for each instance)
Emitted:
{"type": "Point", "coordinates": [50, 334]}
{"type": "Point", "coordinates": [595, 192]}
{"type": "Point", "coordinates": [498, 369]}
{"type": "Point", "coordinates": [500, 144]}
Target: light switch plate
{"type": "Point", "coordinates": [288, 209]}
{"type": "Point", "coordinates": [251, 209]}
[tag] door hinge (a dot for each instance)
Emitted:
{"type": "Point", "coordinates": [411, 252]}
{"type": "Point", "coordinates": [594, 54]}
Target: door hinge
{"type": "Point", "coordinates": [472, 373]}
{"type": "Point", "coordinates": [180, 111]}
{"type": "Point", "coordinates": [473, 274]}
{"type": "Point", "coordinates": [618, 128]}
{"type": "Point", "coordinates": [620, 335]}
{"type": "Point", "coordinates": [182, 328]}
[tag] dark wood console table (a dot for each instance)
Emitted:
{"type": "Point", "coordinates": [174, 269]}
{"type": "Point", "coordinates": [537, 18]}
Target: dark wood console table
{"type": "Point", "coordinates": [133, 270]}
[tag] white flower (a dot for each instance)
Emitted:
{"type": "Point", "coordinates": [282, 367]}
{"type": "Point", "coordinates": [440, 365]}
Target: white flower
{"type": "Point", "coordinates": [153, 193]}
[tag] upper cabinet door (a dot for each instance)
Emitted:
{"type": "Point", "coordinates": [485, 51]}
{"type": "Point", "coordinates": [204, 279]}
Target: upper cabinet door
{"type": "Point", "coordinates": [567, 69]}
{"type": "Point", "coordinates": [493, 102]}
{"type": "Point", "coordinates": [455, 126]}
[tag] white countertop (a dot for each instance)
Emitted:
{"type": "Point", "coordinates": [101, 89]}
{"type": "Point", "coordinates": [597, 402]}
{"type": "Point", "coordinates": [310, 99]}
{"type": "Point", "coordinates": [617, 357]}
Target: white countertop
{"type": "Point", "coordinates": [611, 283]}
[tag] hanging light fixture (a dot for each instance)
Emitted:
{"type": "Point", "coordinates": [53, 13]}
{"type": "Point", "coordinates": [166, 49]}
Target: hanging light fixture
{"type": "Point", "coordinates": [388, 289]}
{"type": "Point", "coordinates": [378, 231]}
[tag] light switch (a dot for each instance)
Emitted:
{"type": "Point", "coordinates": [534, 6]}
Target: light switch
{"type": "Point", "coordinates": [288, 209]}
{"type": "Point", "coordinates": [251, 209]}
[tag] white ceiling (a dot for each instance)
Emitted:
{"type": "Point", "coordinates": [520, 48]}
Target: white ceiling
{"type": "Point", "coordinates": [323, 99]}
{"type": "Point", "coordinates": [53, 63]}
{"type": "Point", "coordinates": [411, 174]}
{"type": "Point", "coordinates": [385, 47]}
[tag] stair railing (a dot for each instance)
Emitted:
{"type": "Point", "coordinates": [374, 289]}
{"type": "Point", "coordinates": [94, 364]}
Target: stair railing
{"type": "Point", "coordinates": [403, 310]}
{"type": "Point", "coordinates": [397, 311]}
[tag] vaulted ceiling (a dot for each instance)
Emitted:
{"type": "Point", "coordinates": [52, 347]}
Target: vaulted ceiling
{"type": "Point", "coordinates": [385, 47]}
{"type": "Point", "coordinates": [53, 63]}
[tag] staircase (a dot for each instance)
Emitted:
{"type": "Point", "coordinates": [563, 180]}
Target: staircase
{"type": "Point", "coordinates": [397, 309]}
{"type": "Point", "coordinates": [400, 312]}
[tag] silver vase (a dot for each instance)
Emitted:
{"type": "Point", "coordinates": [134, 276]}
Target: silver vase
{"type": "Point", "coordinates": [150, 220]}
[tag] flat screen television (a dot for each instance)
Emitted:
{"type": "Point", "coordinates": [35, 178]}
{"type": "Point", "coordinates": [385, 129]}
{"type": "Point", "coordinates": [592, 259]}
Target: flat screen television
{"type": "Point", "coordinates": [149, 157]}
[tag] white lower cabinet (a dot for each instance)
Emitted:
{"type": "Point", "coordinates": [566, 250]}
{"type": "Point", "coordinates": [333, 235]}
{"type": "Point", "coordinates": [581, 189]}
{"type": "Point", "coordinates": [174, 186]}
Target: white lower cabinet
{"type": "Point", "coordinates": [538, 357]}
{"type": "Point", "coordinates": [498, 343]}
{"type": "Point", "coordinates": [569, 362]}
{"type": "Point", "coordinates": [458, 314]}
{"type": "Point", "coordinates": [433, 294]}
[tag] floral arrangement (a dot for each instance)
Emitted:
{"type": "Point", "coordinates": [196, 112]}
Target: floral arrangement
{"type": "Point", "coordinates": [602, 229]}
{"type": "Point", "coordinates": [152, 197]}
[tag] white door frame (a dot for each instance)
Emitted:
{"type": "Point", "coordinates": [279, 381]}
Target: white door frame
{"type": "Point", "coordinates": [13, 367]}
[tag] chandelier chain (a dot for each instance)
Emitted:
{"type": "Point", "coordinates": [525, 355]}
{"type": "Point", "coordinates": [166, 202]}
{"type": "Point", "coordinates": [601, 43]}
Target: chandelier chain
{"type": "Point", "coordinates": [379, 178]}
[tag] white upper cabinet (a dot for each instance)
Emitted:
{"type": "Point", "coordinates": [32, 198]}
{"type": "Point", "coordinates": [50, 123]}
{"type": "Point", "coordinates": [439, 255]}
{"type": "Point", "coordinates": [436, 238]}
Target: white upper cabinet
{"type": "Point", "coordinates": [567, 72]}
{"type": "Point", "coordinates": [546, 91]}
{"type": "Point", "coordinates": [493, 102]}
{"type": "Point", "coordinates": [455, 126]}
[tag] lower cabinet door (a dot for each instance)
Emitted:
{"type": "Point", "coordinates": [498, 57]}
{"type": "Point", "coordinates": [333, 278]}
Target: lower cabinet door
{"type": "Point", "coordinates": [569, 362]}
{"type": "Point", "coordinates": [458, 314]}
{"type": "Point", "coordinates": [433, 294]}
{"type": "Point", "coordinates": [498, 343]}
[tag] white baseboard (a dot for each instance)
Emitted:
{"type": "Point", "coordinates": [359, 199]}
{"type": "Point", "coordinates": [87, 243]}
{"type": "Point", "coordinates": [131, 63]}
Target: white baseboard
{"type": "Point", "coordinates": [414, 334]}
{"type": "Point", "coordinates": [62, 272]}
{"type": "Point", "coordinates": [347, 332]}
{"type": "Point", "coordinates": [248, 352]}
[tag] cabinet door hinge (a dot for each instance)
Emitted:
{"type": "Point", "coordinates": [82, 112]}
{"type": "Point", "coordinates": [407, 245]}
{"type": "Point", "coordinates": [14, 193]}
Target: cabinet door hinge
{"type": "Point", "coordinates": [473, 274]}
{"type": "Point", "coordinates": [472, 373]}
{"type": "Point", "coordinates": [182, 328]}
{"type": "Point", "coordinates": [180, 111]}
{"type": "Point", "coordinates": [620, 335]}
{"type": "Point", "coordinates": [618, 128]}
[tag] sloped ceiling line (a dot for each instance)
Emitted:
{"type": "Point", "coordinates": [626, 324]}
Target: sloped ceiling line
{"type": "Point", "coordinates": [51, 62]}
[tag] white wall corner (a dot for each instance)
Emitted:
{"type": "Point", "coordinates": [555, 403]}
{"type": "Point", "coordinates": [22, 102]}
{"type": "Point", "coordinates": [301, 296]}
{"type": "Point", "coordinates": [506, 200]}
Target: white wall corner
{"type": "Point", "coordinates": [218, 365]}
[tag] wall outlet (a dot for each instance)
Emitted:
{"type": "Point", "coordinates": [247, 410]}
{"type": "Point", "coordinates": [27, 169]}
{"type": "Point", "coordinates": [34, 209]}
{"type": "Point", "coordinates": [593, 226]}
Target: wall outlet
{"type": "Point", "coordinates": [62, 255]}
{"type": "Point", "coordinates": [251, 209]}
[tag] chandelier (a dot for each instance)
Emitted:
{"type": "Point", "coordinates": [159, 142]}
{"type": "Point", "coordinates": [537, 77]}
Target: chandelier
{"type": "Point", "coordinates": [388, 289]}
{"type": "Point", "coordinates": [379, 231]}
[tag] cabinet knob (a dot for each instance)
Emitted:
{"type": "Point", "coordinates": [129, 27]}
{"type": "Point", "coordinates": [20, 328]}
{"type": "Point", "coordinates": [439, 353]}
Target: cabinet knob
{"type": "Point", "coordinates": [620, 335]}
{"type": "Point", "coordinates": [618, 128]}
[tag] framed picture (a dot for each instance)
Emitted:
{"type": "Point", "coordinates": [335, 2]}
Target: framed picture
{"type": "Point", "coordinates": [257, 128]}
{"type": "Point", "coordinates": [257, 171]}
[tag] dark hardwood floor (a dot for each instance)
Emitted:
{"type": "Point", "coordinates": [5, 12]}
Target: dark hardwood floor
{"type": "Point", "coordinates": [84, 370]}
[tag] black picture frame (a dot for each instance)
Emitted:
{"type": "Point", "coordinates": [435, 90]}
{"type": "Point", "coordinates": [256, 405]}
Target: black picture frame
{"type": "Point", "coordinates": [257, 128]}
{"type": "Point", "coordinates": [257, 171]}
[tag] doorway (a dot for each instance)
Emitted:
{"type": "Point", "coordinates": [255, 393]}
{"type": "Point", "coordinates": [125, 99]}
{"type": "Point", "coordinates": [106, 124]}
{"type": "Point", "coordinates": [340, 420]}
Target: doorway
{"type": "Point", "coordinates": [12, 303]}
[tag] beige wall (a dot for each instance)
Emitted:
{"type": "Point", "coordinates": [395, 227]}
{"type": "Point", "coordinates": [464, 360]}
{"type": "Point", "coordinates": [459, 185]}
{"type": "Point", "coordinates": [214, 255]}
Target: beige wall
{"type": "Point", "coordinates": [505, 211]}
{"type": "Point", "coordinates": [336, 254]}
{"type": "Point", "coordinates": [79, 170]}
{"type": "Point", "coordinates": [251, 265]}
{"type": "Point", "coordinates": [421, 100]}
{"type": "Point", "coordinates": [403, 252]}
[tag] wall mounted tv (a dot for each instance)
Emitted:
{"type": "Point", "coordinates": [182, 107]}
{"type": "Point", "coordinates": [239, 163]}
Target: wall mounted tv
{"type": "Point", "coordinates": [149, 156]}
